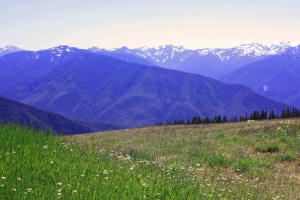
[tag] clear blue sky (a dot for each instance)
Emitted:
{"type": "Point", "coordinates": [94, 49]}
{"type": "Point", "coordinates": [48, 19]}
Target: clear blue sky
{"type": "Point", "coordinates": [40, 24]}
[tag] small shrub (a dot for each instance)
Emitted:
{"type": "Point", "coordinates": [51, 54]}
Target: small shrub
{"type": "Point", "coordinates": [243, 165]}
{"type": "Point", "coordinates": [264, 148]}
{"type": "Point", "coordinates": [250, 123]}
{"type": "Point", "coordinates": [218, 160]}
{"type": "Point", "coordinates": [289, 156]}
{"type": "Point", "coordinates": [285, 128]}
{"type": "Point", "coordinates": [221, 134]}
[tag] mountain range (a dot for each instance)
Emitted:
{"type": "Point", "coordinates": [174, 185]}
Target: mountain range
{"type": "Point", "coordinates": [233, 65]}
{"type": "Point", "coordinates": [94, 87]}
{"type": "Point", "coordinates": [209, 62]}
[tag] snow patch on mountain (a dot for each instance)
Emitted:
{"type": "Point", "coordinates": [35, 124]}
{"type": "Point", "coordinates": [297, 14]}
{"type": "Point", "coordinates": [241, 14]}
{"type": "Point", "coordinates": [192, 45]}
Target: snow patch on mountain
{"type": "Point", "coordinates": [60, 50]}
{"type": "Point", "coordinates": [9, 49]}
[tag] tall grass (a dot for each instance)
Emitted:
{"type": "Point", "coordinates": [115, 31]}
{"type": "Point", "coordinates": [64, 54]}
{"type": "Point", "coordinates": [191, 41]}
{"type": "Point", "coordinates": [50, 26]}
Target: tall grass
{"type": "Point", "coordinates": [37, 165]}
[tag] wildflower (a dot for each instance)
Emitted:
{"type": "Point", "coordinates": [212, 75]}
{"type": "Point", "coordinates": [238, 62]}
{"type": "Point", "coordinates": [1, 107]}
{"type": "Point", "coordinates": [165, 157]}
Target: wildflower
{"type": "Point", "coordinates": [82, 175]}
{"type": "Point", "coordinates": [3, 178]}
{"type": "Point", "coordinates": [51, 162]}
{"type": "Point", "coordinates": [14, 189]}
{"type": "Point", "coordinates": [29, 189]}
{"type": "Point", "coordinates": [74, 191]}
{"type": "Point", "coordinates": [45, 147]}
{"type": "Point", "coordinates": [197, 165]}
{"type": "Point", "coordinates": [105, 172]}
{"type": "Point", "coordinates": [97, 175]}
{"type": "Point", "coordinates": [19, 179]}
{"type": "Point", "coordinates": [144, 184]}
{"type": "Point", "coordinates": [106, 178]}
{"type": "Point", "coordinates": [59, 183]}
{"type": "Point", "coordinates": [58, 194]}
{"type": "Point", "coordinates": [131, 168]}
{"type": "Point", "coordinates": [14, 152]}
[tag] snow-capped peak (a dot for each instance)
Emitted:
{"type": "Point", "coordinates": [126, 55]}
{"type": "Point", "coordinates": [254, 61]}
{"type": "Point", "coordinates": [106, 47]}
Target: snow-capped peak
{"type": "Point", "coordinates": [96, 49]}
{"type": "Point", "coordinates": [253, 49]}
{"type": "Point", "coordinates": [143, 48]}
{"type": "Point", "coordinates": [59, 50]}
{"type": "Point", "coordinates": [9, 49]}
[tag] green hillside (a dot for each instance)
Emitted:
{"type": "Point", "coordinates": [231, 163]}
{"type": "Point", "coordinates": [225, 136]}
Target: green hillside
{"type": "Point", "coordinates": [246, 160]}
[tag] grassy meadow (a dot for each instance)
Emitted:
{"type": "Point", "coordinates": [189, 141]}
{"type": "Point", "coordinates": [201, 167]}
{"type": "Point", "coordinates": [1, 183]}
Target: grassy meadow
{"type": "Point", "coordinates": [245, 160]}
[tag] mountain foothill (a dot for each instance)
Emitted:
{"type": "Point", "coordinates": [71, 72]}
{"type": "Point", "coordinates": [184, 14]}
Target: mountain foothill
{"type": "Point", "coordinates": [97, 89]}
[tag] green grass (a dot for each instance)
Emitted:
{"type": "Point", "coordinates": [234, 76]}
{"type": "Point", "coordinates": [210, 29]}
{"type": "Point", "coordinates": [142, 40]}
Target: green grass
{"type": "Point", "coordinates": [223, 161]}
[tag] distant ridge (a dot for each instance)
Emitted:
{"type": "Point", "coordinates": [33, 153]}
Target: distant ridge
{"type": "Point", "coordinates": [276, 78]}
{"type": "Point", "coordinates": [15, 112]}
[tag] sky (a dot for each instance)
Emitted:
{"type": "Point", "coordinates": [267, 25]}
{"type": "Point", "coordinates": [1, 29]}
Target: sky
{"type": "Point", "coordinates": [36, 24]}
